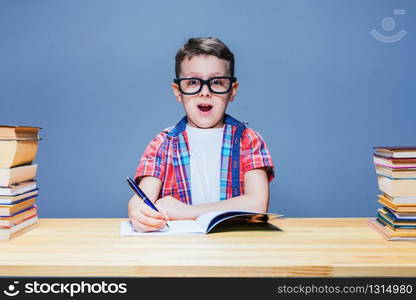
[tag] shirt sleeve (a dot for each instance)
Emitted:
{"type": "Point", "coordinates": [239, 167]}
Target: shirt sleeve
{"type": "Point", "coordinates": [255, 153]}
{"type": "Point", "coordinates": [153, 161]}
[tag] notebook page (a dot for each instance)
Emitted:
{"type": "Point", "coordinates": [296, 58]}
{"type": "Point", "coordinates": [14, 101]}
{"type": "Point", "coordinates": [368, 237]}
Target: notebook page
{"type": "Point", "coordinates": [175, 227]}
{"type": "Point", "coordinates": [205, 219]}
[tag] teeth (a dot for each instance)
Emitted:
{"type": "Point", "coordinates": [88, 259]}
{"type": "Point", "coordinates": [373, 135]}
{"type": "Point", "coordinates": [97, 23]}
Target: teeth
{"type": "Point", "coordinates": [205, 107]}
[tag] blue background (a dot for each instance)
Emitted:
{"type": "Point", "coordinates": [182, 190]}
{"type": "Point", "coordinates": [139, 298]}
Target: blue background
{"type": "Point", "coordinates": [320, 89]}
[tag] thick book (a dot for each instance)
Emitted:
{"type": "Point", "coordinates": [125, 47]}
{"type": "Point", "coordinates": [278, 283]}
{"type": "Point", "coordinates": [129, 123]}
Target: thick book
{"type": "Point", "coordinates": [207, 222]}
{"type": "Point", "coordinates": [15, 153]}
{"type": "Point", "coordinates": [9, 233]}
{"type": "Point", "coordinates": [17, 189]}
{"type": "Point", "coordinates": [10, 176]}
{"type": "Point", "coordinates": [396, 151]}
{"type": "Point", "coordinates": [11, 132]}
{"type": "Point", "coordinates": [389, 234]}
{"type": "Point", "coordinates": [18, 198]}
{"type": "Point", "coordinates": [397, 187]}
{"type": "Point", "coordinates": [396, 173]}
{"type": "Point", "coordinates": [10, 210]}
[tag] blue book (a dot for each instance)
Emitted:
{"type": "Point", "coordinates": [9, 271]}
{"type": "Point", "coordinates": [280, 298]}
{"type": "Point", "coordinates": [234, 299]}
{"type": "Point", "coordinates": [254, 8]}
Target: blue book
{"type": "Point", "coordinates": [394, 217]}
{"type": "Point", "coordinates": [394, 225]}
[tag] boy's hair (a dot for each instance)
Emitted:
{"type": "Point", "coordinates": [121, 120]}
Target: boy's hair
{"type": "Point", "coordinates": [203, 46]}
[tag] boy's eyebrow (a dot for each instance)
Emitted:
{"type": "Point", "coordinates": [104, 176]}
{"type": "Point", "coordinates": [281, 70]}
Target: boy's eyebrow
{"type": "Point", "coordinates": [195, 74]}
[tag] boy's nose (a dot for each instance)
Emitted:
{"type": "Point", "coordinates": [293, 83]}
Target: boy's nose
{"type": "Point", "coordinates": [205, 91]}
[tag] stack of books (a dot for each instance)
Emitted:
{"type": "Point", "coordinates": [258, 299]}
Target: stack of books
{"type": "Point", "coordinates": [396, 176]}
{"type": "Point", "coordinates": [18, 188]}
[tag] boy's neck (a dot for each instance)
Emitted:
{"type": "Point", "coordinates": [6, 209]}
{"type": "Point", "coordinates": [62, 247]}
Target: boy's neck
{"type": "Point", "coordinates": [214, 127]}
{"type": "Point", "coordinates": [190, 127]}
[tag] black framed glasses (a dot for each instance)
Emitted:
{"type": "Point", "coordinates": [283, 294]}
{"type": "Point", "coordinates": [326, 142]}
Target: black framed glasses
{"type": "Point", "coordinates": [217, 85]}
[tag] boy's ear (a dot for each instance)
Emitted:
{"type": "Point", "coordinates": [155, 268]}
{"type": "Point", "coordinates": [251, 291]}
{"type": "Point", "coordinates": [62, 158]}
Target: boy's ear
{"type": "Point", "coordinates": [233, 92]}
{"type": "Point", "coordinates": [176, 92]}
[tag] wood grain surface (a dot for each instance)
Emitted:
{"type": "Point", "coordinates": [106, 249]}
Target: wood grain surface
{"type": "Point", "coordinates": [306, 247]}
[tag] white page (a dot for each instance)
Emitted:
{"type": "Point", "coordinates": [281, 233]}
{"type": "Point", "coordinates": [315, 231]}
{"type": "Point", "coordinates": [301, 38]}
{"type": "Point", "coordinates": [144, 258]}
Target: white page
{"type": "Point", "coordinates": [175, 227]}
{"type": "Point", "coordinates": [200, 225]}
{"type": "Point", "coordinates": [204, 219]}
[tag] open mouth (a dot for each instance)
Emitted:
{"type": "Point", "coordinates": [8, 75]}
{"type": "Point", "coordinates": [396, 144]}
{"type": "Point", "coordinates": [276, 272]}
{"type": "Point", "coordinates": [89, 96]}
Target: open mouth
{"type": "Point", "coordinates": [205, 107]}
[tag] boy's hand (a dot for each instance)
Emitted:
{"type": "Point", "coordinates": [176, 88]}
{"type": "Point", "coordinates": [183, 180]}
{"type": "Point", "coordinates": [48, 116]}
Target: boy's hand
{"type": "Point", "coordinates": [175, 209]}
{"type": "Point", "coordinates": [145, 219]}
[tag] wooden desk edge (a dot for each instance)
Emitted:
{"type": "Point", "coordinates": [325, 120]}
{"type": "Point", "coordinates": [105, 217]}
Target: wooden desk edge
{"type": "Point", "coordinates": [208, 271]}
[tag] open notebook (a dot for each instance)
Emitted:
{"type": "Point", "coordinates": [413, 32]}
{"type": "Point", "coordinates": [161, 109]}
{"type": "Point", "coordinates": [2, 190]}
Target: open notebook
{"type": "Point", "coordinates": [204, 224]}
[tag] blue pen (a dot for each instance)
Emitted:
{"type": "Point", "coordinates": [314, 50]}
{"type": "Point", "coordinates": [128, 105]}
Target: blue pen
{"type": "Point", "coordinates": [141, 194]}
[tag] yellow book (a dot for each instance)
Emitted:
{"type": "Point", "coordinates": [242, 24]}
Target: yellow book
{"type": "Point", "coordinates": [396, 207]}
{"type": "Point", "coordinates": [8, 132]}
{"type": "Point", "coordinates": [10, 210]}
{"type": "Point", "coordinates": [17, 152]}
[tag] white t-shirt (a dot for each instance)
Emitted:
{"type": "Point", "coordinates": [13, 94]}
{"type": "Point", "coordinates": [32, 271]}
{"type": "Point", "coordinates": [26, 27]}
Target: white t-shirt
{"type": "Point", "coordinates": [205, 163]}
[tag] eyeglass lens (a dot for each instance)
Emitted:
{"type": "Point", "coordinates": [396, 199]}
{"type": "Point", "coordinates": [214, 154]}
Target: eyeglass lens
{"type": "Point", "coordinates": [217, 85]}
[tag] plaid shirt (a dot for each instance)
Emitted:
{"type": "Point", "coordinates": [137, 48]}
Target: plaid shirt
{"type": "Point", "coordinates": [167, 158]}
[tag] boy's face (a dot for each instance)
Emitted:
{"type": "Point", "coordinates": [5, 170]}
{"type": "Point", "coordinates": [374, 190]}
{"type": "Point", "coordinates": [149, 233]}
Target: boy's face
{"type": "Point", "coordinates": [205, 109]}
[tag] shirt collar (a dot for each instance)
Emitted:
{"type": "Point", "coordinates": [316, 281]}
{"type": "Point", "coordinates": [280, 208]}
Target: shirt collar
{"type": "Point", "coordinates": [181, 125]}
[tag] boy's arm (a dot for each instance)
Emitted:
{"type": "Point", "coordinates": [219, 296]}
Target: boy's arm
{"type": "Point", "coordinates": [255, 198]}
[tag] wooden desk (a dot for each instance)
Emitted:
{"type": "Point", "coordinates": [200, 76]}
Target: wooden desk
{"type": "Point", "coordinates": [305, 247]}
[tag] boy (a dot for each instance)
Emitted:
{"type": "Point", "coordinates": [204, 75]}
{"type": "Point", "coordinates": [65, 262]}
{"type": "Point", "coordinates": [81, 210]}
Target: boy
{"type": "Point", "coordinates": [209, 161]}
